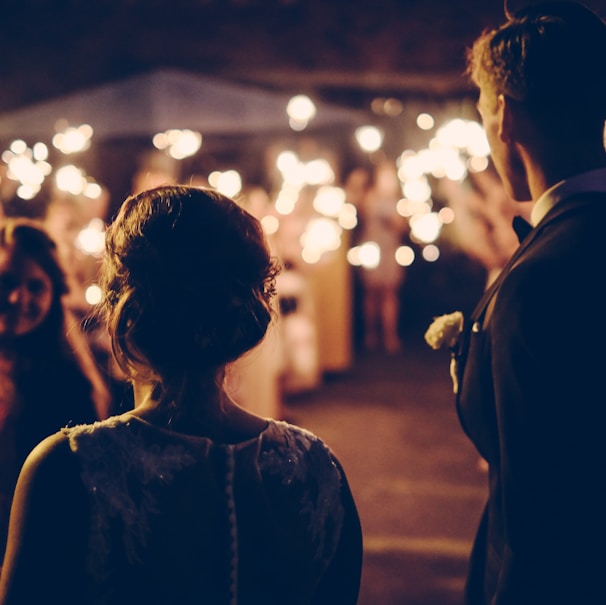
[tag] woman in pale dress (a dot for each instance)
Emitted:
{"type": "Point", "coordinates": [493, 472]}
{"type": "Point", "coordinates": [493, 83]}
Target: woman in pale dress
{"type": "Point", "coordinates": [188, 498]}
{"type": "Point", "coordinates": [382, 227]}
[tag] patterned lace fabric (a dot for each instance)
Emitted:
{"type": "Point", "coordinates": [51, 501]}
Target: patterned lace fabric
{"type": "Point", "coordinates": [126, 462]}
{"type": "Point", "coordinates": [301, 458]}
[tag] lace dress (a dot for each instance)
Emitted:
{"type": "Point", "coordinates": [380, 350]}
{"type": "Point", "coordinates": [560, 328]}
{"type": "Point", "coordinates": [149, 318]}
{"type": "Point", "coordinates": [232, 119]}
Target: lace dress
{"type": "Point", "coordinates": [174, 518]}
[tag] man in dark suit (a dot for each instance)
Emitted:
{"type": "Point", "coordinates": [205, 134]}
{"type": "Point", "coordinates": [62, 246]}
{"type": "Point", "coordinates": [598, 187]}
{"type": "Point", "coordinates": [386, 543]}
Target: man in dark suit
{"type": "Point", "coordinates": [532, 356]}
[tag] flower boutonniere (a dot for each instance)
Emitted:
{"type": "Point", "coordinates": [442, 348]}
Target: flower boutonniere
{"type": "Point", "coordinates": [444, 332]}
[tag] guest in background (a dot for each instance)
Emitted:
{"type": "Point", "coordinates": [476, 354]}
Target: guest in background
{"type": "Point", "coordinates": [48, 377]}
{"type": "Point", "coordinates": [531, 358]}
{"type": "Point", "coordinates": [484, 214]}
{"type": "Point", "coordinates": [383, 227]}
{"type": "Point", "coordinates": [188, 498]}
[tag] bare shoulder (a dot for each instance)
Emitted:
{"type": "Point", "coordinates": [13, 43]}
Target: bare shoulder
{"type": "Point", "coordinates": [47, 527]}
{"type": "Point", "coordinates": [47, 462]}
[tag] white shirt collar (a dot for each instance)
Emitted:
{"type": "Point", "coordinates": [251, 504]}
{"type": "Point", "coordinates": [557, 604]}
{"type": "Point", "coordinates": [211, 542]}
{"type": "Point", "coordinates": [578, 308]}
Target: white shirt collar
{"type": "Point", "coordinates": [592, 181]}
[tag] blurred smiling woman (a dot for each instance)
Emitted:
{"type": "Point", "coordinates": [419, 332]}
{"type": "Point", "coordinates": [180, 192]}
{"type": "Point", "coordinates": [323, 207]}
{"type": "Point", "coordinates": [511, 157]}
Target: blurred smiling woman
{"type": "Point", "coordinates": [47, 375]}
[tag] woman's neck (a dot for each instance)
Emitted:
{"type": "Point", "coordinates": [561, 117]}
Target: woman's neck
{"type": "Point", "coordinates": [209, 412]}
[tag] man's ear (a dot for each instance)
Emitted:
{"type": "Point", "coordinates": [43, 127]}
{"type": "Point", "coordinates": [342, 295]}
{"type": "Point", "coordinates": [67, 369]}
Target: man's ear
{"type": "Point", "coordinates": [505, 112]}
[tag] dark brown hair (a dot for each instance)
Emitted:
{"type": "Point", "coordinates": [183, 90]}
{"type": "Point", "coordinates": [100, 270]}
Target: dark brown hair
{"type": "Point", "coordinates": [188, 281]}
{"type": "Point", "coordinates": [548, 57]}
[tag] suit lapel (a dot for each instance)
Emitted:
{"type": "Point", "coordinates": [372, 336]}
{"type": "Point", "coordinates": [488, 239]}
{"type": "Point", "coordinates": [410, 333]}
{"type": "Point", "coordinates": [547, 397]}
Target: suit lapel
{"type": "Point", "coordinates": [492, 289]}
{"type": "Point", "coordinates": [565, 206]}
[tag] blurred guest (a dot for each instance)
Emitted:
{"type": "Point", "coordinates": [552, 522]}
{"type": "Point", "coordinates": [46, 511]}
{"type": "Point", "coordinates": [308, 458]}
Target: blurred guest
{"type": "Point", "coordinates": [383, 227]}
{"type": "Point", "coordinates": [188, 498]}
{"type": "Point", "coordinates": [48, 377]}
{"type": "Point", "coordinates": [484, 214]}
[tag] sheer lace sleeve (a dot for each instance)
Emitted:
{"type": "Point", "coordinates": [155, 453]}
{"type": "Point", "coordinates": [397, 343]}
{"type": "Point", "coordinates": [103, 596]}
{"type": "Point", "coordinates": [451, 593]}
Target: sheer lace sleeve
{"type": "Point", "coordinates": [305, 466]}
{"type": "Point", "coordinates": [111, 456]}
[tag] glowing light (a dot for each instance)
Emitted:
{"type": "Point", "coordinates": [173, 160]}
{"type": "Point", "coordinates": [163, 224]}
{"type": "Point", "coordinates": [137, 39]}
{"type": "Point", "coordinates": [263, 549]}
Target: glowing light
{"type": "Point", "coordinates": [411, 166]}
{"type": "Point", "coordinates": [370, 138]}
{"type": "Point", "coordinates": [318, 172]}
{"type": "Point", "coordinates": [292, 170]}
{"type": "Point", "coordinates": [408, 208]}
{"type": "Point", "coordinates": [353, 256]}
{"type": "Point", "coordinates": [405, 207]}
{"type": "Point", "coordinates": [298, 125]}
{"type": "Point", "coordinates": [440, 161]}
{"type": "Point", "coordinates": [73, 139]}
{"type": "Point", "coordinates": [425, 227]}
{"type": "Point", "coordinates": [188, 144]}
{"type": "Point", "coordinates": [22, 166]}
{"type": "Point", "coordinates": [329, 201]}
{"type": "Point", "coordinates": [40, 152]}
{"type": "Point", "coordinates": [70, 179]}
{"type": "Point", "coordinates": [431, 253]}
{"type": "Point", "coordinates": [18, 146]}
{"type": "Point", "coordinates": [286, 200]}
{"type": "Point", "coordinates": [465, 135]}
{"type": "Point", "coordinates": [446, 215]}
{"type": "Point", "coordinates": [476, 142]}
{"type": "Point", "coordinates": [417, 190]}
{"type": "Point", "coordinates": [287, 161]}
{"type": "Point", "coordinates": [270, 224]}
{"type": "Point", "coordinates": [478, 163]}
{"type": "Point", "coordinates": [93, 191]}
{"type": "Point", "coordinates": [296, 173]}
{"type": "Point", "coordinates": [179, 144]}
{"type": "Point", "coordinates": [300, 109]}
{"type": "Point", "coordinates": [405, 256]}
{"type": "Point", "coordinates": [27, 192]}
{"type": "Point", "coordinates": [311, 256]}
{"type": "Point", "coordinates": [389, 107]}
{"type": "Point", "coordinates": [93, 294]}
{"type": "Point", "coordinates": [348, 216]}
{"type": "Point", "coordinates": [456, 170]}
{"type": "Point", "coordinates": [91, 240]}
{"type": "Point", "coordinates": [392, 107]}
{"type": "Point", "coordinates": [377, 105]}
{"type": "Point", "coordinates": [321, 234]}
{"type": "Point", "coordinates": [425, 121]}
{"type": "Point", "coordinates": [453, 134]}
{"type": "Point", "coordinates": [228, 183]}
{"type": "Point", "coordinates": [369, 254]}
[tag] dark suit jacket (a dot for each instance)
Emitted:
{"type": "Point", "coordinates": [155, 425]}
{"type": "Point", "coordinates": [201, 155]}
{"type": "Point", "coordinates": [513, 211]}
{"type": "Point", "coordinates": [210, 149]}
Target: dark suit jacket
{"type": "Point", "coordinates": [532, 365]}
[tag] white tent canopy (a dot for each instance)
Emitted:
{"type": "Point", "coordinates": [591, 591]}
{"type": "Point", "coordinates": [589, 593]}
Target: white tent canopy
{"type": "Point", "coordinates": [157, 101]}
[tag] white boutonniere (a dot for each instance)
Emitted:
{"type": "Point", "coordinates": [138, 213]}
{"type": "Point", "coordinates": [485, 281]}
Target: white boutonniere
{"type": "Point", "coordinates": [444, 332]}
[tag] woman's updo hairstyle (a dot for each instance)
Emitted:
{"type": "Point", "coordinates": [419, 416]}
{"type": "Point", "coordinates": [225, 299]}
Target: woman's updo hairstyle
{"type": "Point", "coordinates": [188, 282]}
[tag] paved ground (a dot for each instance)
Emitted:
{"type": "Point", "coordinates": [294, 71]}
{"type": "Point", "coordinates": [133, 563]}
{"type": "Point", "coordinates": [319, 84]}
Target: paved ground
{"type": "Point", "coordinates": [415, 477]}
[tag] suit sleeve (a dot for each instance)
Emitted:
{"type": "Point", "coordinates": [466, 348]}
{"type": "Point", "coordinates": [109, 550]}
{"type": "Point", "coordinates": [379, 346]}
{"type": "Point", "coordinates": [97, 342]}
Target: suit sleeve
{"type": "Point", "coordinates": [549, 362]}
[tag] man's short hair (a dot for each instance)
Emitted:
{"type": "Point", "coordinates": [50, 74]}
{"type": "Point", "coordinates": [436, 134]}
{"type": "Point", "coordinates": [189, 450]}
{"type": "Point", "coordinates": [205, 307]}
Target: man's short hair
{"type": "Point", "coordinates": [549, 57]}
